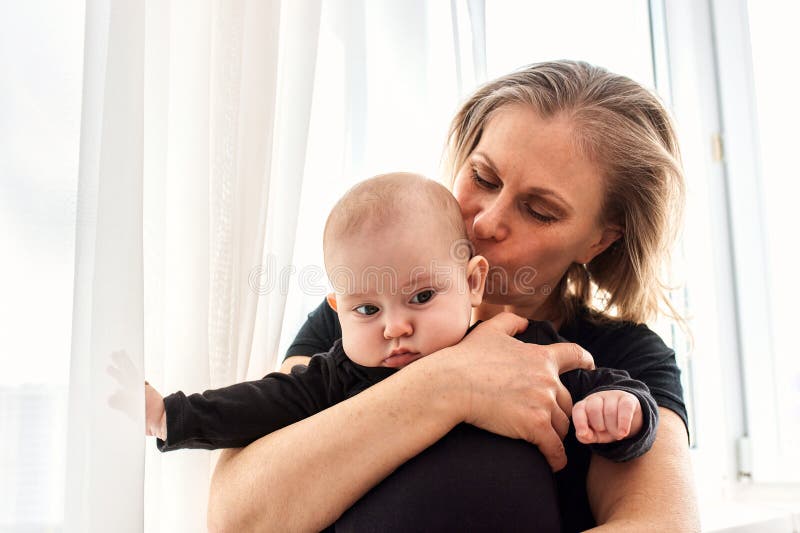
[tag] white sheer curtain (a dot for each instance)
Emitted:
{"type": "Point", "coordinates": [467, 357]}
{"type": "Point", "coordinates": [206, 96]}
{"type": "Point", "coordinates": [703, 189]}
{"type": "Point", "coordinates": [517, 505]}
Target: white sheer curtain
{"type": "Point", "coordinates": [199, 155]}
{"type": "Point", "coordinates": [193, 140]}
{"type": "Point", "coordinates": [390, 76]}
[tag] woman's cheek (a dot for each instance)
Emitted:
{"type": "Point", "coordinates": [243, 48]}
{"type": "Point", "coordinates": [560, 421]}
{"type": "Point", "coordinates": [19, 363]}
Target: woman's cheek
{"type": "Point", "coordinates": [466, 201]}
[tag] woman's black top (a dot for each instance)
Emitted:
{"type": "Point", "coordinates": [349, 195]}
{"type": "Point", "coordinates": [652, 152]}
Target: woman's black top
{"type": "Point", "coordinates": [469, 465]}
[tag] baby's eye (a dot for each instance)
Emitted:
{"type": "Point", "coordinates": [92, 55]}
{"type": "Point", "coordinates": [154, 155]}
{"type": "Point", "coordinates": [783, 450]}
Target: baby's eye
{"type": "Point", "coordinates": [423, 296]}
{"type": "Point", "coordinates": [366, 309]}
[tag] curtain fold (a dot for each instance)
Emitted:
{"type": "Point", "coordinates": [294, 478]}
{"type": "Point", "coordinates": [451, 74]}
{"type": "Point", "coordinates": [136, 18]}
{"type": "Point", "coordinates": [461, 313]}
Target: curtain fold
{"type": "Point", "coordinates": [281, 208]}
{"type": "Point", "coordinates": [209, 128]}
{"type": "Point", "coordinates": [177, 206]}
{"type": "Point", "coordinates": [183, 192]}
{"type": "Point", "coordinates": [105, 426]}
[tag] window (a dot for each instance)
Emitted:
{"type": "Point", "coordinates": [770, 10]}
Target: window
{"type": "Point", "coordinates": [760, 138]}
{"type": "Point", "coordinates": [41, 55]}
{"type": "Point", "coordinates": [379, 106]}
{"type": "Point", "coordinates": [615, 35]}
{"type": "Point", "coordinates": [777, 118]}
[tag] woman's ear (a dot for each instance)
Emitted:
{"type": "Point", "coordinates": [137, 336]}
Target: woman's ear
{"type": "Point", "coordinates": [331, 300]}
{"type": "Point", "coordinates": [477, 269]}
{"type": "Point", "coordinates": [608, 236]}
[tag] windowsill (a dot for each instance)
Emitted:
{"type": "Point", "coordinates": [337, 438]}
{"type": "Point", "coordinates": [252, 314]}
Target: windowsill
{"type": "Point", "coordinates": [753, 508]}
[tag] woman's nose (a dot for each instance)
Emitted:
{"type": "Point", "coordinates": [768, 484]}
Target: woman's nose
{"type": "Point", "coordinates": [397, 325]}
{"type": "Point", "coordinates": [490, 222]}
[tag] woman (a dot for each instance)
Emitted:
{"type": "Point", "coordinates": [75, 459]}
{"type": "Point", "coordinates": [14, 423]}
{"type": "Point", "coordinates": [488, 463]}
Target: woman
{"type": "Point", "coordinates": [569, 180]}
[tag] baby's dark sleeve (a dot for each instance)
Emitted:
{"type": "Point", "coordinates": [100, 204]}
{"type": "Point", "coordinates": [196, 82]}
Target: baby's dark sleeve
{"type": "Point", "coordinates": [581, 383]}
{"type": "Point", "coordinates": [235, 416]}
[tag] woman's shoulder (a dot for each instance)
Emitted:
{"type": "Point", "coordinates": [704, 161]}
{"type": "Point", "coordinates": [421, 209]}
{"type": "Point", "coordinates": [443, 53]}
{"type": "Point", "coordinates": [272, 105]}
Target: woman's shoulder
{"type": "Point", "coordinates": [318, 333]}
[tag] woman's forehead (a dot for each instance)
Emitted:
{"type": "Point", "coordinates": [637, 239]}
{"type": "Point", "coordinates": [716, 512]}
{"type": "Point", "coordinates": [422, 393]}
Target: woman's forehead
{"type": "Point", "coordinates": [518, 136]}
{"type": "Point", "coordinates": [529, 152]}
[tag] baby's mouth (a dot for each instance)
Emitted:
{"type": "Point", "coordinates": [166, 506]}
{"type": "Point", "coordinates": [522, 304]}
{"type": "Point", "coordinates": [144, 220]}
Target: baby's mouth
{"type": "Point", "coordinates": [400, 358]}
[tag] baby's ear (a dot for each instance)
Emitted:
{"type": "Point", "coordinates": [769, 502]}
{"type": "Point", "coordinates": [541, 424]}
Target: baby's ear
{"type": "Point", "coordinates": [477, 269]}
{"type": "Point", "coordinates": [332, 300]}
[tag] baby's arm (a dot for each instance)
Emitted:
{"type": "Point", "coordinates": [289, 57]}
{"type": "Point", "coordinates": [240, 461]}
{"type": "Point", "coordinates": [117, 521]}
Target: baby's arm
{"type": "Point", "coordinates": [234, 416]}
{"type": "Point", "coordinates": [600, 398]}
{"type": "Point", "coordinates": [607, 416]}
{"type": "Point", "coordinates": [155, 414]}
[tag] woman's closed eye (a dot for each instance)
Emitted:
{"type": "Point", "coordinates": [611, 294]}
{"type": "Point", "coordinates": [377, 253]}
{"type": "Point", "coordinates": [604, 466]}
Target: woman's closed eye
{"type": "Point", "coordinates": [482, 183]}
{"type": "Point", "coordinates": [423, 296]}
{"type": "Point", "coordinates": [489, 186]}
{"type": "Point", "coordinates": [541, 217]}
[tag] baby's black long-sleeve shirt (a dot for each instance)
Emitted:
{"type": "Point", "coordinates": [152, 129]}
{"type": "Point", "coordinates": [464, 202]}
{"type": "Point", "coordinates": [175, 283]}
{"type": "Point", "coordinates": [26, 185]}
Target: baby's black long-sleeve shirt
{"type": "Point", "coordinates": [235, 416]}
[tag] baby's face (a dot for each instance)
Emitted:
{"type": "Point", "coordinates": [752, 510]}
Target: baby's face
{"type": "Point", "coordinates": [400, 296]}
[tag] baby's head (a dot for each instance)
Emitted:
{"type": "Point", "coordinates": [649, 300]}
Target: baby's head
{"type": "Point", "coordinates": [404, 279]}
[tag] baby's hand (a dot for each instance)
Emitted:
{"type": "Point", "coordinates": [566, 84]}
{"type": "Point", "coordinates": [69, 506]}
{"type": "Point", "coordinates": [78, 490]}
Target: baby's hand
{"type": "Point", "coordinates": [155, 415]}
{"type": "Point", "coordinates": [607, 416]}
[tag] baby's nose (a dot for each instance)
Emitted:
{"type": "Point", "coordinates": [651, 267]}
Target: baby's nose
{"type": "Point", "coordinates": [397, 326]}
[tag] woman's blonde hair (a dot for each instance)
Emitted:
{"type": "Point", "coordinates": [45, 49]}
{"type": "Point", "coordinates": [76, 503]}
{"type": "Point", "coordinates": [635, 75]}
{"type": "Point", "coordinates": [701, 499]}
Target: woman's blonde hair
{"type": "Point", "coordinates": [626, 130]}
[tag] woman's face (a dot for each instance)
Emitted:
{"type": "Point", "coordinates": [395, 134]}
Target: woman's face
{"type": "Point", "coordinates": [531, 203]}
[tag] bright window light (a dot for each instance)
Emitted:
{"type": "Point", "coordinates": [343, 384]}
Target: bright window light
{"type": "Point", "coordinates": [773, 33]}
{"type": "Point", "coordinates": [41, 58]}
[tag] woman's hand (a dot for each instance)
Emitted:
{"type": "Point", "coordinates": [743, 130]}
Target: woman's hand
{"type": "Point", "coordinates": [513, 388]}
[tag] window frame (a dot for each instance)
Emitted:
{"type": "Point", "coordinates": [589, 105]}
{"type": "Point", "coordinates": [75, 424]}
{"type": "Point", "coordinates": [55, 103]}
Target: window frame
{"type": "Point", "coordinates": [719, 420]}
{"type": "Point", "coordinates": [762, 456]}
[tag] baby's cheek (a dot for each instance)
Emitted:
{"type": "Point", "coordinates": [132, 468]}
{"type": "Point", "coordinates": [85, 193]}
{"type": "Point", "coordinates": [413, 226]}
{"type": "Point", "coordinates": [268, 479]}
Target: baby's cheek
{"type": "Point", "coordinates": [450, 327]}
{"type": "Point", "coordinates": [357, 348]}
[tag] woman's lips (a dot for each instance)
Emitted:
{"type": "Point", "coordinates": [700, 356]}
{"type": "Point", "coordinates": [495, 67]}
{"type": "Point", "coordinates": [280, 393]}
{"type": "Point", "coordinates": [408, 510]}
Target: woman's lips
{"type": "Point", "coordinates": [400, 360]}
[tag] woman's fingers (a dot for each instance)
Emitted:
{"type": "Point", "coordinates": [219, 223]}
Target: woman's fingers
{"type": "Point", "coordinates": [563, 399]}
{"type": "Point", "coordinates": [569, 356]}
{"type": "Point", "coordinates": [513, 388]}
{"type": "Point", "coordinates": [560, 422]}
{"type": "Point", "coordinates": [509, 323]}
{"type": "Point", "coordinates": [551, 446]}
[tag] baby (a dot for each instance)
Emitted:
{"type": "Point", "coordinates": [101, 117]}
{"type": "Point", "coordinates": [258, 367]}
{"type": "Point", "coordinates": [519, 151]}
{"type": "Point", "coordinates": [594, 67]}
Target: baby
{"type": "Point", "coordinates": [405, 283]}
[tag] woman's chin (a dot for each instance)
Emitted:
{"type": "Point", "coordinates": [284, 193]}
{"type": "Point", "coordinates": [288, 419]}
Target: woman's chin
{"type": "Point", "coordinates": [526, 305]}
{"type": "Point", "coordinates": [502, 295]}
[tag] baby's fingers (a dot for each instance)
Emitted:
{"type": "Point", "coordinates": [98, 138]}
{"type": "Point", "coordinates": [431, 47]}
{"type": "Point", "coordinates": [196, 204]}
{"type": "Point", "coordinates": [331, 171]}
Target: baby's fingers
{"type": "Point", "coordinates": [583, 432]}
{"type": "Point", "coordinates": [610, 405]}
{"type": "Point", "coordinates": [594, 412]}
{"type": "Point", "coordinates": [628, 404]}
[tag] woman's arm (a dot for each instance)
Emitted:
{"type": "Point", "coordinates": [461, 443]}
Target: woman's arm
{"type": "Point", "coordinates": [305, 476]}
{"type": "Point", "coordinates": [652, 493]}
{"type": "Point", "coordinates": [301, 478]}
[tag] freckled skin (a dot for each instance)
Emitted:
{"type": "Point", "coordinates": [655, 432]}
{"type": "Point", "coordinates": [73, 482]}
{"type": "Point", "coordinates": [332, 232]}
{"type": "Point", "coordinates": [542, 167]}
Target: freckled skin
{"type": "Point", "coordinates": [549, 229]}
